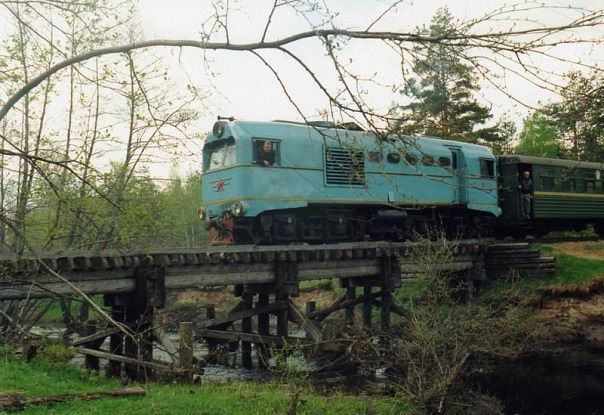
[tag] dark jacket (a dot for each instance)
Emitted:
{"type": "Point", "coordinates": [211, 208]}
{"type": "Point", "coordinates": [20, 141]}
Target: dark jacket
{"type": "Point", "coordinates": [261, 157]}
{"type": "Point", "coordinates": [526, 185]}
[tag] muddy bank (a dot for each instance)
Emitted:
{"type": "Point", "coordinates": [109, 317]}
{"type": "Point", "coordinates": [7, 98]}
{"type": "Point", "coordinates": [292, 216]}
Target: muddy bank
{"type": "Point", "coordinates": [575, 312]}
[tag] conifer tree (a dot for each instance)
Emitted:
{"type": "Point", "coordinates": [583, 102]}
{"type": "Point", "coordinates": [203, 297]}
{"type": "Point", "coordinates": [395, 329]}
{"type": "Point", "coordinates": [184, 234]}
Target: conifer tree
{"type": "Point", "coordinates": [443, 92]}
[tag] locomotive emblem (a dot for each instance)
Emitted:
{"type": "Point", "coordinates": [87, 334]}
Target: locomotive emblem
{"type": "Point", "coordinates": [220, 184]}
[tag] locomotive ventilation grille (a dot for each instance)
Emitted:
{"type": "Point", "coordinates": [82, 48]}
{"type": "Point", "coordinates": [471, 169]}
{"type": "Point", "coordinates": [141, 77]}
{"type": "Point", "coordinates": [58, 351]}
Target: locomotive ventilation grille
{"type": "Point", "coordinates": [344, 166]}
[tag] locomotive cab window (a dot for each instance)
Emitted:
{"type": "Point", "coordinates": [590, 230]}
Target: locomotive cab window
{"type": "Point", "coordinates": [547, 179]}
{"type": "Point", "coordinates": [487, 168]}
{"type": "Point", "coordinates": [219, 154]}
{"type": "Point", "coordinates": [266, 152]}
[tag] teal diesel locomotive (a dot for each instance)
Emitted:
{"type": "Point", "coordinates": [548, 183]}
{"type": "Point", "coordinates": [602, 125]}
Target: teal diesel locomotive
{"type": "Point", "coordinates": [281, 182]}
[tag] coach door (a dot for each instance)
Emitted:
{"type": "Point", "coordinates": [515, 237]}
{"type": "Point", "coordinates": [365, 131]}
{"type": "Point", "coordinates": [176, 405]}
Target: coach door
{"type": "Point", "coordinates": [458, 169]}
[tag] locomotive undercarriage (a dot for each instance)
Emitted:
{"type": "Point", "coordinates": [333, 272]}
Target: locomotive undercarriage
{"type": "Point", "coordinates": [321, 224]}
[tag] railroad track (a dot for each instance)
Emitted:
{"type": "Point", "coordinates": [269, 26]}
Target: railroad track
{"type": "Point", "coordinates": [115, 272]}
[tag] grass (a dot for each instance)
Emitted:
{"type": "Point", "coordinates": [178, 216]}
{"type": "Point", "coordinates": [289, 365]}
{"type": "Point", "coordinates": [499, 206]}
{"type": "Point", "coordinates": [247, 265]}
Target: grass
{"type": "Point", "coordinates": [570, 270]}
{"type": "Point", "coordinates": [44, 377]}
{"type": "Point", "coordinates": [596, 247]}
{"type": "Point", "coordinates": [54, 313]}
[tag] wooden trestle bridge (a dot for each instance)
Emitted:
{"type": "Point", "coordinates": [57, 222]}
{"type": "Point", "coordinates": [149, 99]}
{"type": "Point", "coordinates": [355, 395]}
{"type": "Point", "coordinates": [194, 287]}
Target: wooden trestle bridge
{"type": "Point", "coordinates": [265, 278]}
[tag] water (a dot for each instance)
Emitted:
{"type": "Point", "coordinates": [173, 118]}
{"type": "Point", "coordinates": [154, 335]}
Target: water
{"type": "Point", "coordinates": [563, 382]}
{"type": "Point", "coordinates": [566, 381]}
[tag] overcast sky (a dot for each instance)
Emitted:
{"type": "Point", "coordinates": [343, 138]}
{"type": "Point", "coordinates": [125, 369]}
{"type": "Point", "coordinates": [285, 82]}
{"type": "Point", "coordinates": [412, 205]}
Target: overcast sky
{"type": "Point", "coordinates": [251, 92]}
{"type": "Point", "coordinates": [240, 85]}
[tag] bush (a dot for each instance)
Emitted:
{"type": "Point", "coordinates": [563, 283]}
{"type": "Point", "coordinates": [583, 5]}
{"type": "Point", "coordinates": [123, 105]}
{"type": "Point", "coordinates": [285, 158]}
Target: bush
{"type": "Point", "coordinates": [447, 336]}
{"type": "Point", "coordinates": [55, 353]}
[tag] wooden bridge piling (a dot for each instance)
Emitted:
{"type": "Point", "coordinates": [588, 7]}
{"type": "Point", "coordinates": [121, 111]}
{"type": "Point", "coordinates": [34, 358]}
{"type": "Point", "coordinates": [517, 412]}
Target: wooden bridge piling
{"type": "Point", "coordinates": [246, 327]}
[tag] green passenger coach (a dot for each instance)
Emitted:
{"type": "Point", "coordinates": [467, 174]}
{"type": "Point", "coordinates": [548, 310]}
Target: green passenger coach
{"type": "Point", "coordinates": [567, 193]}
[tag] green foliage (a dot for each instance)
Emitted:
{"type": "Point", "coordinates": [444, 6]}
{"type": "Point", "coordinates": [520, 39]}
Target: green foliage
{"type": "Point", "coordinates": [539, 137]}
{"type": "Point", "coordinates": [579, 116]}
{"type": "Point", "coordinates": [55, 353]}
{"type": "Point", "coordinates": [128, 214]}
{"type": "Point", "coordinates": [213, 398]}
{"type": "Point", "coordinates": [43, 377]}
{"type": "Point", "coordinates": [570, 270]}
{"type": "Point", "coordinates": [442, 94]}
{"type": "Point", "coordinates": [448, 335]}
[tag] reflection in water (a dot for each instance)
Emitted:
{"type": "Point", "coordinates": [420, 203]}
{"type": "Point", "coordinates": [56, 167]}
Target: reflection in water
{"type": "Point", "coordinates": [567, 382]}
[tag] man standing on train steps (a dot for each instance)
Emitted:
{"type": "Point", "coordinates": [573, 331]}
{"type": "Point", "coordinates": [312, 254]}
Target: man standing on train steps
{"type": "Point", "coordinates": [525, 185]}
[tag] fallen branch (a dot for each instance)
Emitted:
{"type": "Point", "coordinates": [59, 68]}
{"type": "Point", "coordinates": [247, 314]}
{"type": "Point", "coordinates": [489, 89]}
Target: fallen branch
{"type": "Point", "coordinates": [20, 401]}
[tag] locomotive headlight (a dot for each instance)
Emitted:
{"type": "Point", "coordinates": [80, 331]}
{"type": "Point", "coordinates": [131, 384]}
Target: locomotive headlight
{"type": "Point", "coordinates": [201, 212]}
{"type": "Point", "coordinates": [238, 209]}
{"type": "Point", "coordinates": [218, 129]}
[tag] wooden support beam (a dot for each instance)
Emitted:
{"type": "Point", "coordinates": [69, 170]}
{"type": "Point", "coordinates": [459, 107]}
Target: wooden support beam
{"type": "Point", "coordinates": [307, 324]}
{"type": "Point", "coordinates": [282, 320]}
{"type": "Point", "coordinates": [387, 286]}
{"type": "Point", "coordinates": [351, 293]}
{"type": "Point", "coordinates": [16, 401]}
{"type": "Point", "coordinates": [399, 309]}
{"type": "Point", "coordinates": [366, 299]}
{"type": "Point", "coordinates": [322, 314]}
{"type": "Point", "coordinates": [212, 346]}
{"type": "Point", "coordinates": [116, 343]}
{"type": "Point", "coordinates": [252, 337]}
{"type": "Point", "coordinates": [385, 311]}
{"type": "Point", "coordinates": [263, 328]}
{"type": "Point", "coordinates": [246, 327]}
{"type": "Point", "coordinates": [185, 348]}
{"type": "Point", "coordinates": [170, 348]}
{"type": "Point", "coordinates": [95, 336]}
{"type": "Point", "coordinates": [92, 362]}
{"type": "Point", "coordinates": [132, 316]}
{"type": "Point", "coordinates": [125, 359]}
{"type": "Point", "coordinates": [239, 315]}
{"type": "Point", "coordinates": [311, 306]}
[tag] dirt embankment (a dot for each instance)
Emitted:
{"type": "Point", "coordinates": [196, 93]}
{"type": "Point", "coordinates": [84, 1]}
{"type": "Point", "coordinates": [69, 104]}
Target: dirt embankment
{"type": "Point", "coordinates": [575, 311]}
{"type": "Point", "coordinates": [191, 303]}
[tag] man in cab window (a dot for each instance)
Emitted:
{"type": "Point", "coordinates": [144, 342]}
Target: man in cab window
{"type": "Point", "coordinates": [265, 155]}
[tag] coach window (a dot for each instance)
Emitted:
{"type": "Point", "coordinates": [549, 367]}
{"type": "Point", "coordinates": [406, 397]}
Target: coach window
{"type": "Point", "coordinates": [266, 150]}
{"type": "Point", "coordinates": [569, 185]}
{"type": "Point", "coordinates": [487, 168]}
{"type": "Point", "coordinates": [547, 179]}
{"type": "Point", "coordinates": [589, 180]}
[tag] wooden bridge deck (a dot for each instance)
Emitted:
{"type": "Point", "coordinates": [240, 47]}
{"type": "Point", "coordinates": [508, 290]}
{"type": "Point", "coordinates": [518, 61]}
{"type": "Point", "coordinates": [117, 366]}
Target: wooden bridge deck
{"type": "Point", "coordinates": [110, 272]}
